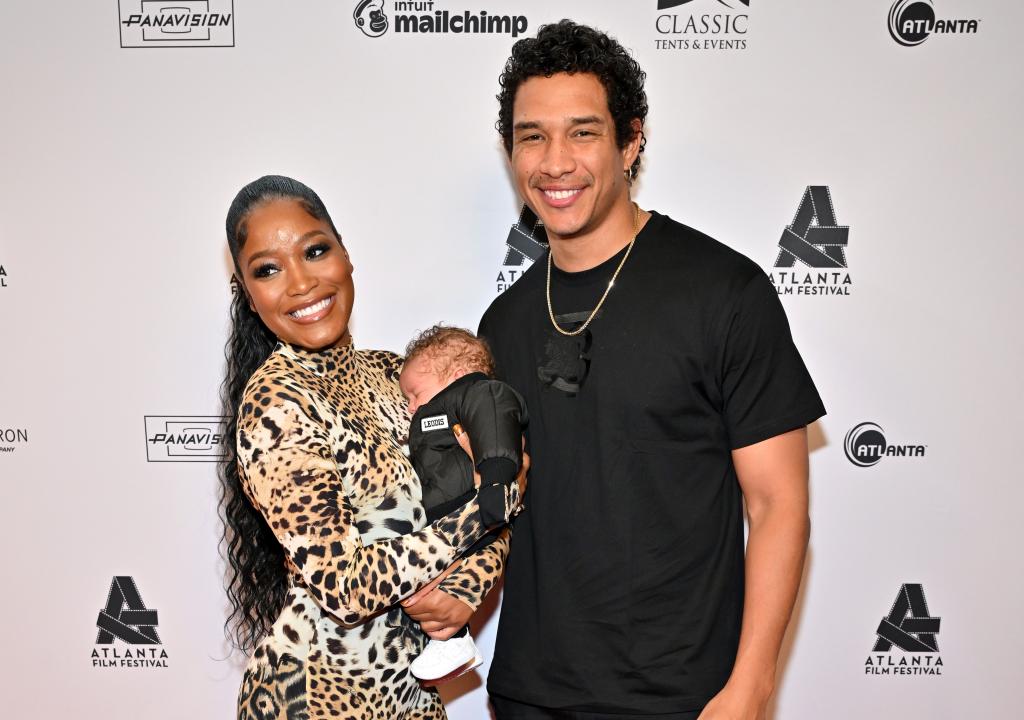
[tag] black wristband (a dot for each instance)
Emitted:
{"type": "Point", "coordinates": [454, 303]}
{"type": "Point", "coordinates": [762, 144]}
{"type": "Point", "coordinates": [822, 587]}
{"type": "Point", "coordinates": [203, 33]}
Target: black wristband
{"type": "Point", "coordinates": [497, 471]}
{"type": "Point", "coordinates": [491, 499]}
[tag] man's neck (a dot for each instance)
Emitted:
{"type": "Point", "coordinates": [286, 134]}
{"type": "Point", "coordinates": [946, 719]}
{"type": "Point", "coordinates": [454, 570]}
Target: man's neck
{"type": "Point", "coordinates": [576, 253]}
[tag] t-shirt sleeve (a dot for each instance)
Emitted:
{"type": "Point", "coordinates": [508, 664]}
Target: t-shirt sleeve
{"type": "Point", "coordinates": [766, 389]}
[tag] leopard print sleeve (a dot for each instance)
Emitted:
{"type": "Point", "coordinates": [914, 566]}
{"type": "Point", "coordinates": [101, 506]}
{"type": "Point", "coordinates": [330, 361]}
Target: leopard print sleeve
{"type": "Point", "coordinates": [478, 573]}
{"type": "Point", "coordinates": [290, 473]}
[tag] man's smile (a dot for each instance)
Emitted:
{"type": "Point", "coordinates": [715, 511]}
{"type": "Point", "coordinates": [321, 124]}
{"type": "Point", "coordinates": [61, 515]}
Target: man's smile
{"type": "Point", "coordinates": [560, 197]}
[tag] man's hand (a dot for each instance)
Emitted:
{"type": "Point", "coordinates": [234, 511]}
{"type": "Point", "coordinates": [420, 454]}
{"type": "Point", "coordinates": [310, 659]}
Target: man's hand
{"type": "Point", "coordinates": [773, 477]}
{"type": "Point", "coordinates": [462, 437]}
{"type": "Point", "coordinates": [731, 704]}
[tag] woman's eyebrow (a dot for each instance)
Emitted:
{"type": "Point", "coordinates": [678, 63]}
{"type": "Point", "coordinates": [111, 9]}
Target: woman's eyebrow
{"type": "Point", "coordinates": [304, 238]}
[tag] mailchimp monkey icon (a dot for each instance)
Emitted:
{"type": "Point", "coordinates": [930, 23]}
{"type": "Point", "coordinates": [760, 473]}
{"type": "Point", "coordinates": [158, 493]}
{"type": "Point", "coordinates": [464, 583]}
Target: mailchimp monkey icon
{"type": "Point", "coordinates": [370, 18]}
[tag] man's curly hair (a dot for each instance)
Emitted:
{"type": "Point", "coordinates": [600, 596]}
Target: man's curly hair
{"type": "Point", "coordinates": [568, 47]}
{"type": "Point", "coordinates": [451, 348]}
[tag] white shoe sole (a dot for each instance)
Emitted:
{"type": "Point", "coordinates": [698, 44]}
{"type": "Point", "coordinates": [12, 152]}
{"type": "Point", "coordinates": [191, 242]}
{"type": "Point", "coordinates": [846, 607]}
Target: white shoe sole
{"type": "Point", "coordinates": [457, 672]}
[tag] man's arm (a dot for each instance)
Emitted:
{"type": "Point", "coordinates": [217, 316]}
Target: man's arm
{"type": "Point", "coordinates": [773, 478]}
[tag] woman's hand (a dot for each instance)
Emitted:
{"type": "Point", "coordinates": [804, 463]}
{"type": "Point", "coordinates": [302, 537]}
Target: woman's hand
{"type": "Point", "coordinates": [438, 613]}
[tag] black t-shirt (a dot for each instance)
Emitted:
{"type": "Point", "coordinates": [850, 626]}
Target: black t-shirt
{"type": "Point", "coordinates": [624, 584]}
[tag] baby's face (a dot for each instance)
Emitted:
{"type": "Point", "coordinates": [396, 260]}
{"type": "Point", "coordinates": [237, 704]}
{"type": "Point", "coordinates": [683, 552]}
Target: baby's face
{"type": "Point", "coordinates": [419, 382]}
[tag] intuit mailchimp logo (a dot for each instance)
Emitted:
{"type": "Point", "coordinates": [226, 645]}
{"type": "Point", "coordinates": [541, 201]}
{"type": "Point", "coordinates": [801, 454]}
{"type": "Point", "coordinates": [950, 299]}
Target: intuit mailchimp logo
{"type": "Point", "coordinates": [370, 18]}
{"type": "Point", "coordinates": [430, 17]}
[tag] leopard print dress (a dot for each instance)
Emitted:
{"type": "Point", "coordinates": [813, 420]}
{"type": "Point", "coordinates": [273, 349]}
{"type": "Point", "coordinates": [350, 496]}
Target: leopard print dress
{"type": "Point", "coordinates": [320, 453]}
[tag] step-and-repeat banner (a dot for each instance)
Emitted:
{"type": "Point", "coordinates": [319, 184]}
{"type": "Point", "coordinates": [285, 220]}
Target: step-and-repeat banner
{"type": "Point", "coordinates": [866, 154]}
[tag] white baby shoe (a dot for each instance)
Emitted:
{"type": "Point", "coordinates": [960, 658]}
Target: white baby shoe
{"type": "Point", "coordinates": [444, 660]}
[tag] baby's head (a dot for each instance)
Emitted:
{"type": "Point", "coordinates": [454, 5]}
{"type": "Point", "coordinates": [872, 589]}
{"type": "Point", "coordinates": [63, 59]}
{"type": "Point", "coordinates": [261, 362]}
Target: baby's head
{"type": "Point", "coordinates": [437, 357]}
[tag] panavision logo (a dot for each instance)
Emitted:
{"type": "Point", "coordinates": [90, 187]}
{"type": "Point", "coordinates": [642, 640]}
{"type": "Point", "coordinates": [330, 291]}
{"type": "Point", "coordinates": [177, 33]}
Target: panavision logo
{"type": "Point", "coordinates": [911, 628]}
{"type": "Point", "coordinates": [415, 16]}
{"type": "Point", "coordinates": [725, 29]}
{"type": "Point", "coordinates": [11, 438]}
{"type": "Point", "coordinates": [126, 618]}
{"type": "Point", "coordinates": [527, 242]}
{"type": "Point", "coordinates": [177, 23]}
{"type": "Point", "coordinates": [911, 22]}
{"type": "Point", "coordinates": [815, 241]}
{"type": "Point", "coordinates": [865, 446]}
{"type": "Point", "coordinates": [179, 438]}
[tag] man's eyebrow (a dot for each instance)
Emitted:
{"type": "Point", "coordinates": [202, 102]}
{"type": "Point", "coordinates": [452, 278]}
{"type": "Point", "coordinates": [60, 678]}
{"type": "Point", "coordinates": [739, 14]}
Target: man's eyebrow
{"type": "Point", "coordinates": [534, 125]}
{"type": "Point", "coordinates": [526, 125]}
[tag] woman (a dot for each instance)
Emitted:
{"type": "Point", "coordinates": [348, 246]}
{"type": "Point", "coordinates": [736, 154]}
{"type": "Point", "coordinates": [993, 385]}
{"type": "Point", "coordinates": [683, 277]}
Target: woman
{"type": "Point", "coordinates": [324, 526]}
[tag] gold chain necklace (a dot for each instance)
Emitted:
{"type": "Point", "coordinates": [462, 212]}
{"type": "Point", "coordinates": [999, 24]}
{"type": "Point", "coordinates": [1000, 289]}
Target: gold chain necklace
{"type": "Point", "coordinates": [593, 314]}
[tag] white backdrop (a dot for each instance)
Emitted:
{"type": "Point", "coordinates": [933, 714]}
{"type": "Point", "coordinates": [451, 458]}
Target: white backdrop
{"type": "Point", "coordinates": [118, 166]}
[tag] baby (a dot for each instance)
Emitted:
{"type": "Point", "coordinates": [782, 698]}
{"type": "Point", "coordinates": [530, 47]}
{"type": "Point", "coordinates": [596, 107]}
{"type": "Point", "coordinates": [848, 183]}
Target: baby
{"type": "Point", "coordinates": [447, 381]}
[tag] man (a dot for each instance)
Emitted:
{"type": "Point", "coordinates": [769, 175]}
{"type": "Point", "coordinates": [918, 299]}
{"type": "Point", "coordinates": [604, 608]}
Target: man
{"type": "Point", "coordinates": [664, 391]}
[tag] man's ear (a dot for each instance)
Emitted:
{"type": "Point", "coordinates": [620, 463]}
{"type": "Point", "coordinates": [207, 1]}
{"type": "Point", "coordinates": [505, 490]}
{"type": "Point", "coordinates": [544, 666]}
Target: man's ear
{"type": "Point", "coordinates": [632, 149]}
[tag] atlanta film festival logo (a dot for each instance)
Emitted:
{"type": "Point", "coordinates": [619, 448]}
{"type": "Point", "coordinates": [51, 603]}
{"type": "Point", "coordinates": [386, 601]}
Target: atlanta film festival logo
{"type": "Point", "coordinates": [184, 438]}
{"type": "Point", "coordinates": [911, 22]}
{"type": "Point", "coordinates": [865, 445]}
{"type": "Point", "coordinates": [704, 25]}
{"type": "Point", "coordinates": [125, 617]}
{"type": "Point", "coordinates": [910, 628]}
{"type": "Point", "coordinates": [374, 19]}
{"type": "Point", "coordinates": [812, 250]}
{"type": "Point", "coordinates": [3, 277]}
{"type": "Point", "coordinates": [526, 243]}
{"type": "Point", "coordinates": [177, 23]}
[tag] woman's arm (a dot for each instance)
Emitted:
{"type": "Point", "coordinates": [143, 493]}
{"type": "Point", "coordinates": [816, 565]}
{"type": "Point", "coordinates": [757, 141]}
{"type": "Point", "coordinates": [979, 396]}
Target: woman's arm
{"type": "Point", "coordinates": [443, 606]}
{"type": "Point", "coordinates": [478, 573]}
{"type": "Point", "coordinates": [291, 476]}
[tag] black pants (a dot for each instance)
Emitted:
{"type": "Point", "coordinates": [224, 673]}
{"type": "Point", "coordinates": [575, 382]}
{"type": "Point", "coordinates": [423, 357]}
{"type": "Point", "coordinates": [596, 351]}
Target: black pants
{"type": "Point", "coordinates": [505, 709]}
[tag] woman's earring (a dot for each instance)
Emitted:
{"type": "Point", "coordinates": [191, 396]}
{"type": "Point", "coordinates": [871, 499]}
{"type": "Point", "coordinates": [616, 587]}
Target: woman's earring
{"type": "Point", "coordinates": [626, 174]}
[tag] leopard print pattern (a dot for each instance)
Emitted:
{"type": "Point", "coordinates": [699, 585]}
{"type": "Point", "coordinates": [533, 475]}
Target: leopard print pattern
{"type": "Point", "coordinates": [320, 439]}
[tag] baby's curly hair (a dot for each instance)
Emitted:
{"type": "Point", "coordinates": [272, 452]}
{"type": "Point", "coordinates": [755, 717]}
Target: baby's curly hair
{"type": "Point", "coordinates": [568, 47]}
{"type": "Point", "coordinates": [450, 348]}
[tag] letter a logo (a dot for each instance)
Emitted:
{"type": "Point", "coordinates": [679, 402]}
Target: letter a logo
{"type": "Point", "coordinates": [125, 616]}
{"type": "Point", "coordinates": [908, 625]}
{"type": "Point", "coordinates": [813, 237]}
{"type": "Point", "coordinates": [527, 240]}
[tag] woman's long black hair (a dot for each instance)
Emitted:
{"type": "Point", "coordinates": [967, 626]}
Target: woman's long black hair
{"type": "Point", "coordinates": [257, 580]}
